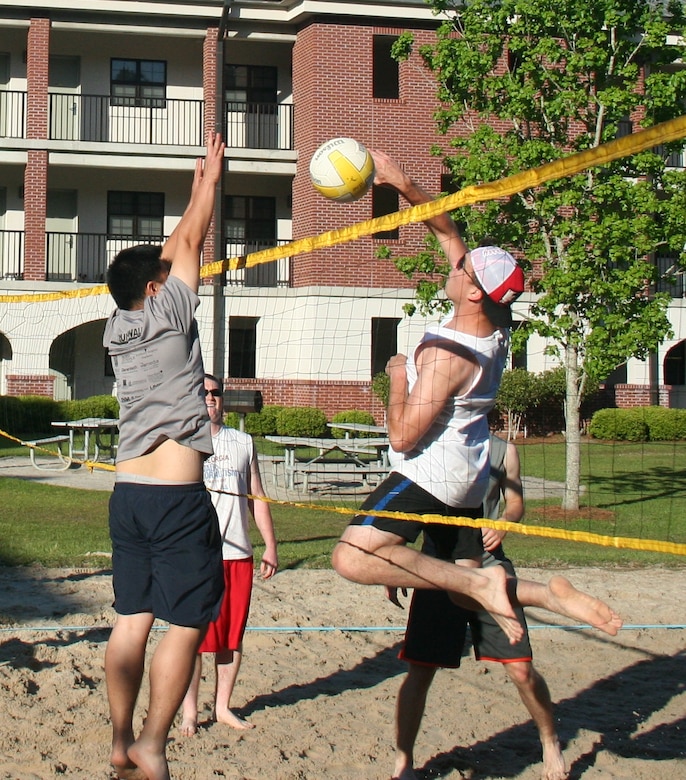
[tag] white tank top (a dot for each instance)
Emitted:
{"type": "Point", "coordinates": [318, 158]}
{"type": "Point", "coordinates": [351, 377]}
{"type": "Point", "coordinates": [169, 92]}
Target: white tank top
{"type": "Point", "coordinates": [451, 461]}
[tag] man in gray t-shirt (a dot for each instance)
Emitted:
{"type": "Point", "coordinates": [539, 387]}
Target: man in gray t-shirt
{"type": "Point", "coordinates": [166, 547]}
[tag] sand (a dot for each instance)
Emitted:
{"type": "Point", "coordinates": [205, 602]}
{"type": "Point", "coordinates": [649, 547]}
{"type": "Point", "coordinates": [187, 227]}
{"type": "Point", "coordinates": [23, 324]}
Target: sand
{"type": "Point", "coordinates": [319, 682]}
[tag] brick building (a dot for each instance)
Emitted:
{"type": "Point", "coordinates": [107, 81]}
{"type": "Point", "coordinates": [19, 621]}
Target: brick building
{"type": "Point", "coordinates": [103, 110]}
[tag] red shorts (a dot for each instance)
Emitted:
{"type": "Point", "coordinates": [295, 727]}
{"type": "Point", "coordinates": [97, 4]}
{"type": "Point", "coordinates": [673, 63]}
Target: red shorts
{"type": "Point", "coordinates": [226, 632]}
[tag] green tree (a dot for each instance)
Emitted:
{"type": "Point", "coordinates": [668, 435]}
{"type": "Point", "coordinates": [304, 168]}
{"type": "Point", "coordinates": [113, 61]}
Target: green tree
{"type": "Point", "coordinates": [518, 395]}
{"type": "Point", "coordinates": [525, 82]}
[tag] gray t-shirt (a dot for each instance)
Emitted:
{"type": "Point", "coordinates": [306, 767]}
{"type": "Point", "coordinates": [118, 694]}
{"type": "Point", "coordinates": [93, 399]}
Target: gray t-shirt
{"type": "Point", "coordinates": [157, 362]}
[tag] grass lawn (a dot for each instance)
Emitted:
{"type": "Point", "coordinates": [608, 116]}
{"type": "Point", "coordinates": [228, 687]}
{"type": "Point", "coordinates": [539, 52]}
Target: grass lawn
{"type": "Point", "coordinates": [632, 490]}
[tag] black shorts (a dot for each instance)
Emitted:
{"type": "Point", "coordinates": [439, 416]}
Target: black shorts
{"type": "Point", "coordinates": [166, 552]}
{"type": "Point", "coordinates": [437, 630]}
{"type": "Point", "coordinates": [399, 494]}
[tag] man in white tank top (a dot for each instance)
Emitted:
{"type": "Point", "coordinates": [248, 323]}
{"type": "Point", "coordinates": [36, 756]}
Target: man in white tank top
{"type": "Point", "coordinates": [424, 412]}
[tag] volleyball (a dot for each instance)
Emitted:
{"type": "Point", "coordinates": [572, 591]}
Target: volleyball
{"type": "Point", "coordinates": [342, 170]}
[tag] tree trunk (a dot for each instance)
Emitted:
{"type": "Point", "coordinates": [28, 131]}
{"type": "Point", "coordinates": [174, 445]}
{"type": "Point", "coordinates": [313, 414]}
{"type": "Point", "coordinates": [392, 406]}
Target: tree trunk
{"type": "Point", "coordinates": [570, 498]}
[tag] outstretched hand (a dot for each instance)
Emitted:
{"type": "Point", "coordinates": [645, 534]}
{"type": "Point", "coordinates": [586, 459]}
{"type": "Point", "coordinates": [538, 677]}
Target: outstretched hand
{"type": "Point", "coordinates": [387, 171]}
{"type": "Point", "coordinates": [209, 170]}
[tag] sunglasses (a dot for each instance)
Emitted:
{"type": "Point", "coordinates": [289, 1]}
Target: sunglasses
{"type": "Point", "coordinates": [214, 393]}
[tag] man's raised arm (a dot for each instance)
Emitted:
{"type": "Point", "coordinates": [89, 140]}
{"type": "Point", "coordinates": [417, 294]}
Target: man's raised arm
{"type": "Point", "coordinates": [184, 246]}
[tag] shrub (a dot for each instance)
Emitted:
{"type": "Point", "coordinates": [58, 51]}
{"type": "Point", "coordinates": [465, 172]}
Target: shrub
{"type": "Point", "coordinates": [37, 412]}
{"type": "Point", "coordinates": [232, 420]}
{"type": "Point", "coordinates": [619, 425]}
{"type": "Point", "coordinates": [381, 385]}
{"type": "Point", "coordinates": [352, 416]}
{"type": "Point", "coordinates": [301, 421]}
{"type": "Point", "coordinates": [95, 406]}
{"type": "Point", "coordinates": [12, 415]}
{"type": "Point", "coordinates": [665, 424]}
{"type": "Point", "coordinates": [264, 423]}
{"type": "Point", "coordinates": [517, 396]}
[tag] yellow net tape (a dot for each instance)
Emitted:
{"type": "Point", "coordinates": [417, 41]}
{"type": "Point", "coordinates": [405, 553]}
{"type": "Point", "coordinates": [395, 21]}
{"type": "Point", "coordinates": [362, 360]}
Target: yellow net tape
{"type": "Point", "coordinates": [672, 130]}
{"type": "Point", "coordinates": [619, 542]}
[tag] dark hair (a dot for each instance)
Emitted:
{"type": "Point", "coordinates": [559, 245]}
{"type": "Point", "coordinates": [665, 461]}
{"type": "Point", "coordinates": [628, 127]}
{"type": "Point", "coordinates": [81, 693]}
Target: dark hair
{"type": "Point", "coordinates": [131, 270]}
{"type": "Point", "coordinates": [214, 379]}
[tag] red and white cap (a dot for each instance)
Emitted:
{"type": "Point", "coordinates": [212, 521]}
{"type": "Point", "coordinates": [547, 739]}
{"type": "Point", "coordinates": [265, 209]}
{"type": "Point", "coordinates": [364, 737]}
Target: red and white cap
{"type": "Point", "coordinates": [498, 274]}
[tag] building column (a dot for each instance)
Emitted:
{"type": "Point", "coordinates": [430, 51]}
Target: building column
{"type": "Point", "coordinates": [212, 99]}
{"type": "Point", "coordinates": [36, 173]}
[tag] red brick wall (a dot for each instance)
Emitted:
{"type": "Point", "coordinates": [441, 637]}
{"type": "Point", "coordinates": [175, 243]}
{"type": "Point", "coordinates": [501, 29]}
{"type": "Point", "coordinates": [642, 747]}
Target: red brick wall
{"type": "Point", "coordinates": [34, 384]}
{"type": "Point", "coordinates": [336, 99]}
{"type": "Point", "coordinates": [330, 397]}
{"type": "Point", "coordinates": [209, 83]}
{"type": "Point", "coordinates": [36, 173]}
{"type": "Point", "coordinates": [627, 396]}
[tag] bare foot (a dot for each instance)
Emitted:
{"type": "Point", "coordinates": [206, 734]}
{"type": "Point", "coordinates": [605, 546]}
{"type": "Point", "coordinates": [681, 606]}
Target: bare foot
{"type": "Point", "coordinates": [188, 727]}
{"type": "Point", "coordinates": [229, 718]}
{"type": "Point", "coordinates": [562, 597]}
{"type": "Point", "coordinates": [131, 772]}
{"type": "Point", "coordinates": [553, 762]}
{"type": "Point", "coordinates": [124, 768]}
{"type": "Point", "coordinates": [152, 764]}
{"type": "Point", "coordinates": [407, 773]}
{"type": "Point", "coordinates": [491, 591]}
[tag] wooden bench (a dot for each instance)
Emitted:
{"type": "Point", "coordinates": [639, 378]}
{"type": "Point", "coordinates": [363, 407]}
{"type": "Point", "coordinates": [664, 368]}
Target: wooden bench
{"type": "Point", "coordinates": [63, 461]}
{"type": "Point", "coordinates": [339, 469]}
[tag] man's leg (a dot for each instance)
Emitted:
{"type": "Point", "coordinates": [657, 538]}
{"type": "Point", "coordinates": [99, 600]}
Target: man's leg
{"type": "Point", "coordinates": [227, 665]}
{"type": "Point", "coordinates": [369, 556]}
{"type": "Point", "coordinates": [124, 665]}
{"type": "Point", "coordinates": [534, 692]}
{"type": "Point", "coordinates": [170, 675]}
{"type": "Point", "coordinates": [409, 712]}
{"type": "Point", "coordinates": [560, 596]}
{"type": "Point", "coordinates": [189, 708]}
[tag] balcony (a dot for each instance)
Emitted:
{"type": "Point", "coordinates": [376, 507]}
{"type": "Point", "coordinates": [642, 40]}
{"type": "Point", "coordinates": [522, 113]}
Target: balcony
{"type": "Point", "coordinates": [84, 257]}
{"type": "Point", "coordinates": [160, 121]}
{"type": "Point", "coordinates": [273, 274]}
{"type": "Point", "coordinates": [12, 114]}
{"type": "Point", "coordinates": [258, 125]}
{"type": "Point", "coordinates": [105, 119]}
{"type": "Point", "coordinates": [12, 254]}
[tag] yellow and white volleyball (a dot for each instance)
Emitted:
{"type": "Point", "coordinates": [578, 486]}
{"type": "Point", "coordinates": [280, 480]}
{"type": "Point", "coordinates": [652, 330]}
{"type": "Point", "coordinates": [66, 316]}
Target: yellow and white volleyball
{"type": "Point", "coordinates": [342, 169]}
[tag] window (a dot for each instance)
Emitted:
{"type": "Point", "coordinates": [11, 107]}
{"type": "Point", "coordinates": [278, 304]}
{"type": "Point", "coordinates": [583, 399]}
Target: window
{"type": "Point", "coordinates": [137, 215]}
{"type": "Point", "coordinates": [384, 342]}
{"type": "Point", "coordinates": [385, 201]}
{"type": "Point", "coordinates": [242, 346]}
{"type": "Point", "coordinates": [385, 70]}
{"type": "Point", "coordinates": [250, 83]}
{"type": "Point", "coordinates": [250, 225]}
{"type": "Point", "coordinates": [138, 83]}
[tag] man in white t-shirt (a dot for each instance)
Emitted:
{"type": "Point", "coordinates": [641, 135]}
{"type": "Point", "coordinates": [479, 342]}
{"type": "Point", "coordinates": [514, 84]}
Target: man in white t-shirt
{"type": "Point", "coordinates": [231, 475]}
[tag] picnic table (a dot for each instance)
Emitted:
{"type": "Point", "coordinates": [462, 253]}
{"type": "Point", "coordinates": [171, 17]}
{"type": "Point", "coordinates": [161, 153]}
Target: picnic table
{"type": "Point", "coordinates": [99, 434]}
{"type": "Point", "coordinates": [358, 428]}
{"type": "Point", "coordinates": [350, 463]}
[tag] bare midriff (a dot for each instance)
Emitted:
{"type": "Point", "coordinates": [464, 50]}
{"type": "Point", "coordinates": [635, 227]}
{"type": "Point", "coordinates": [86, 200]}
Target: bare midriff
{"type": "Point", "coordinates": [170, 462]}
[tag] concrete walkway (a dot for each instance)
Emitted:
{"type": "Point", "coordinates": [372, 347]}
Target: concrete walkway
{"type": "Point", "coordinates": [84, 478]}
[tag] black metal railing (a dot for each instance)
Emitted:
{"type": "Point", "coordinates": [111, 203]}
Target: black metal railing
{"type": "Point", "coordinates": [12, 254]}
{"type": "Point", "coordinates": [258, 125]}
{"type": "Point", "coordinates": [275, 273]}
{"type": "Point", "coordinates": [12, 114]}
{"type": "Point", "coordinates": [84, 257]}
{"type": "Point", "coordinates": [165, 121]}
{"type": "Point", "coordinates": [111, 119]}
